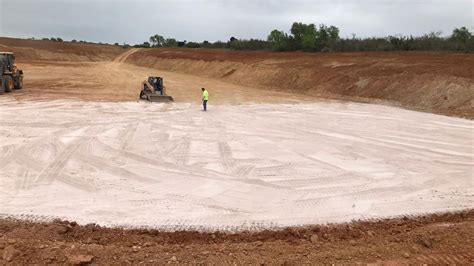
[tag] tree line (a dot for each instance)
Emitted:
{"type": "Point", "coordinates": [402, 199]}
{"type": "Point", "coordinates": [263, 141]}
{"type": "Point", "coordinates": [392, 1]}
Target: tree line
{"type": "Point", "coordinates": [322, 38]}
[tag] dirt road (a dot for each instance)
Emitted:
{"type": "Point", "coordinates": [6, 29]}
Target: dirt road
{"type": "Point", "coordinates": [123, 57]}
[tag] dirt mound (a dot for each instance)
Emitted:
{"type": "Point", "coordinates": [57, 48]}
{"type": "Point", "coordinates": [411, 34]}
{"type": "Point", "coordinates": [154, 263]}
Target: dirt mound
{"type": "Point", "coordinates": [434, 239]}
{"type": "Point", "coordinates": [433, 82]}
{"type": "Point", "coordinates": [34, 50]}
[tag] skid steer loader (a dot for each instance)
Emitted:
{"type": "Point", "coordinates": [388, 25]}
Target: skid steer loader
{"type": "Point", "coordinates": [11, 77]}
{"type": "Point", "coordinates": [154, 91]}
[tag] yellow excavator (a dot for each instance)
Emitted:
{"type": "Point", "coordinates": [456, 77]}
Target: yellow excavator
{"type": "Point", "coordinates": [154, 91]}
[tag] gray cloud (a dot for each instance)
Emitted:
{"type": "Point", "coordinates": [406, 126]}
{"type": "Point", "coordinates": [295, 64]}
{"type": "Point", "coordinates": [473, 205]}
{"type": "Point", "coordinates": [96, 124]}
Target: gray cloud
{"type": "Point", "coordinates": [133, 21]}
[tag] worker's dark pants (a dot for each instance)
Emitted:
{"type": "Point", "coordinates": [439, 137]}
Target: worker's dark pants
{"type": "Point", "coordinates": [204, 104]}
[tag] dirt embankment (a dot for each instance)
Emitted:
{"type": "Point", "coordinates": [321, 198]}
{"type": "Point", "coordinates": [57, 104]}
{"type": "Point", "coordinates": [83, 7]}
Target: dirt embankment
{"type": "Point", "coordinates": [433, 82]}
{"type": "Point", "coordinates": [434, 239]}
{"type": "Point", "coordinates": [39, 50]}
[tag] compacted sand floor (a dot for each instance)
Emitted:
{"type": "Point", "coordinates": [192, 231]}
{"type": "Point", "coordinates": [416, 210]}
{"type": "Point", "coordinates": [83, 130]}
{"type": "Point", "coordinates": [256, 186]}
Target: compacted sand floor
{"type": "Point", "coordinates": [235, 167]}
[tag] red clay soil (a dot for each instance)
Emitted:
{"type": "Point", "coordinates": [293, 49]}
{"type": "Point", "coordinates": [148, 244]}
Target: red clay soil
{"type": "Point", "coordinates": [432, 239]}
{"type": "Point", "coordinates": [432, 82]}
{"type": "Point", "coordinates": [34, 50]}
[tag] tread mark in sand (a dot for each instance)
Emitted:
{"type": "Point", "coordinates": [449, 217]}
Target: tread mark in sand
{"type": "Point", "coordinates": [53, 169]}
{"type": "Point", "coordinates": [29, 217]}
{"type": "Point", "coordinates": [225, 153]}
{"type": "Point", "coordinates": [23, 156]}
{"type": "Point", "coordinates": [79, 183]}
{"type": "Point", "coordinates": [183, 151]}
{"type": "Point", "coordinates": [243, 171]}
{"type": "Point", "coordinates": [136, 157]}
{"type": "Point", "coordinates": [127, 135]}
{"type": "Point", "coordinates": [205, 202]}
{"type": "Point", "coordinates": [101, 163]}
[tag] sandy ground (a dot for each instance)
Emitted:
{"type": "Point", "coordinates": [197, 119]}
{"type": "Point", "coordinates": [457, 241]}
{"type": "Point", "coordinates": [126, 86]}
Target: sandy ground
{"type": "Point", "coordinates": [240, 167]}
{"type": "Point", "coordinates": [116, 81]}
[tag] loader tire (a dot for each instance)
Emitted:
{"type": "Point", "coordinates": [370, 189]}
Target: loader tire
{"type": "Point", "coordinates": [2, 86]}
{"type": "Point", "coordinates": [19, 83]}
{"type": "Point", "coordinates": [9, 85]}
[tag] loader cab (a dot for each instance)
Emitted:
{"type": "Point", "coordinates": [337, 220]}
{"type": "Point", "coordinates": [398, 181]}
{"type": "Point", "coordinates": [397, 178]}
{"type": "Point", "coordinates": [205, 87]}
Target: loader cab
{"type": "Point", "coordinates": [157, 83]}
{"type": "Point", "coordinates": [7, 60]}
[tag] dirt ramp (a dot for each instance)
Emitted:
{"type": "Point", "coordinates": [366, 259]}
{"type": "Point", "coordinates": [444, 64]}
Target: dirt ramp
{"type": "Point", "coordinates": [432, 82]}
{"type": "Point", "coordinates": [39, 50]}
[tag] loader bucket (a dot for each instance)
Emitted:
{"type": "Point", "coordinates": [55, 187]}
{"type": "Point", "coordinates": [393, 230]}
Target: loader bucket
{"type": "Point", "coordinates": [159, 98]}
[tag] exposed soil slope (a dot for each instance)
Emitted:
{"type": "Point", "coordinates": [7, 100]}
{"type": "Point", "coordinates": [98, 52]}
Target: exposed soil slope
{"type": "Point", "coordinates": [437, 239]}
{"type": "Point", "coordinates": [433, 82]}
{"type": "Point", "coordinates": [115, 81]}
{"type": "Point", "coordinates": [34, 50]}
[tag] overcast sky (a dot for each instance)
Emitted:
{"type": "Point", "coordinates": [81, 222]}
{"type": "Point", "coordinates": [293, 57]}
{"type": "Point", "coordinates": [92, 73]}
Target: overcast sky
{"type": "Point", "coordinates": [133, 21]}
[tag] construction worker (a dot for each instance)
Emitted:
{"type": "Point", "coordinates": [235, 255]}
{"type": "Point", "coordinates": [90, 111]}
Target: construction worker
{"type": "Point", "coordinates": [205, 98]}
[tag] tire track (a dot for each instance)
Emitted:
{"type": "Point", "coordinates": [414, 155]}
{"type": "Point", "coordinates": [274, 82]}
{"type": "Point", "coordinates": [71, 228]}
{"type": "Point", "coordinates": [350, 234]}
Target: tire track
{"type": "Point", "coordinates": [78, 182]}
{"type": "Point", "coordinates": [105, 165]}
{"type": "Point", "coordinates": [182, 151]}
{"type": "Point", "coordinates": [126, 136]}
{"type": "Point", "coordinates": [225, 153]}
{"type": "Point", "coordinates": [243, 170]}
{"type": "Point", "coordinates": [52, 171]}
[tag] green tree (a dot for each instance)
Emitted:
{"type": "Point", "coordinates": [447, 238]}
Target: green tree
{"type": "Point", "coordinates": [205, 44]}
{"type": "Point", "coordinates": [278, 40]}
{"type": "Point", "coordinates": [461, 34]}
{"type": "Point", "coordinates": [192, 45]}
{"type": "Point", "coordinates": [326, 37]}
{"type": "Point", "coordinates": [157, 40]}
{"type": "Point", "coordinates": [304, 36]}
{"type": "Point", "coordinates": [170, 42]}
{"type": "Point", "coordinates": [252, 44]}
